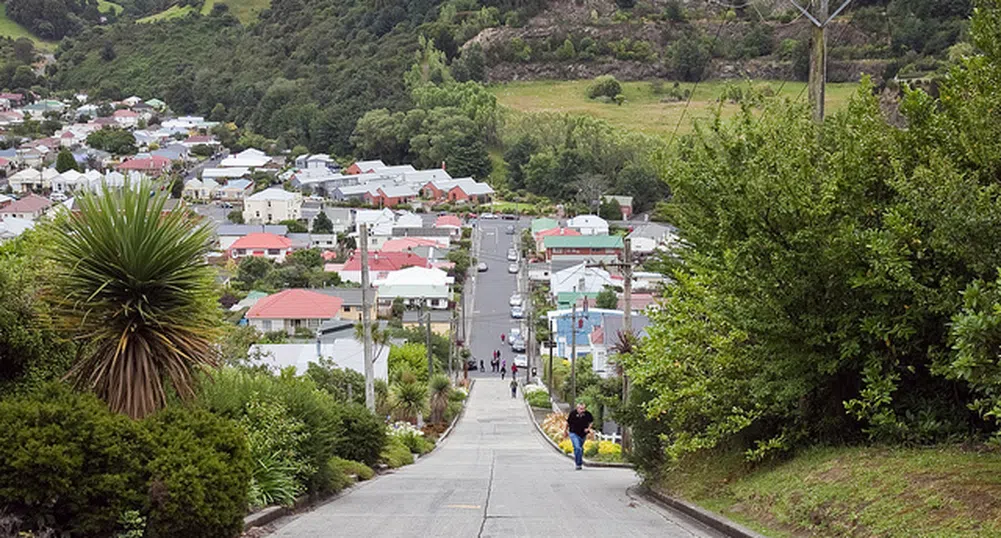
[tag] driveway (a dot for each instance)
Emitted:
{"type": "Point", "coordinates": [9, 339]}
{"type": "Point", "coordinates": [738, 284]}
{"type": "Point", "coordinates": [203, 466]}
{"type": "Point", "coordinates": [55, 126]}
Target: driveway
{"type": "Point", "coordinates": [493, 477]}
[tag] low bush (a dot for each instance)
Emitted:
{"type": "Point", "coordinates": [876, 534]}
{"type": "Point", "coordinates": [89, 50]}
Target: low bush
{"type": "Point", "coordinates": [555, 426]}
{"type": "Point", "coordinates": [362, 435]}
{"type": "Point", "coordinates": [590, 448]}
{"type": "Point", "coordinates": [606, 86]}
{"type": "Point", "coordinates": [67, 461]}
{"type": "Point", "coordinates": [340, 475]}
{"type": "Point", "coordinates": [357, 468]}
{"type": "Point", "coordinates": [199, 474]}
{"type": "Point", "coordinates": [396, 454]}
{"type": "Point", "coordinates": [538, 399]}
{"type": "Point", "coordinates": [411, 437]}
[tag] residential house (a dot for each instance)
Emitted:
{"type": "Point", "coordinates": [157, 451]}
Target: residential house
{"type": "Point", "coordinates": [270, 246]}
{"type": "Point", "coordinates": [380, 222]}
{"type": "Point", "coordinates": [589, 248]}
{"type": "Point", "coordinates": [5, 200]}
{"type": "Point", "coordinates": [380, 265]}
{"type": "Point", "coordinates": [200, 189]}
{"type": "Point", "coordinates": [225, 173]}
{"type": "Point", "coordinates": [250, 158]}
{"type": "Point", "coordinates": [30, 207]}
{"type": "Point", "coordinates": [564, 322]}
{"type": "Point", "coordinates": [148, 165]}
{"type": "Point", "coordinates": [387, 196]}
{"type": "Point", "coordinates": [474, 192]}
{"type": "Point", "coordinates": [420, 178]}
{"type": "Point", "coordinates": [345, 352]}
{"type": "Point", "coordinates": [416, 285]}
{"type": "Point", "coordinates": [605, 337]}
{"type": "Point", "coordinates": [441, 320]}
{"type": "Point", "coordinates": [132, 101]}
{"type": "Point", "coordinates": [174, 152]}
{"type": "Point", "coordinates": [31, 179]}
{"type": "Point", "coordinates": [553, 232]}
{"type": "Point", "coordinates": [200, 140]}
{"type": "Point", "coordinates": [589, 225]}
{"type": "Point", "coordinates": [625, 203]}
{"type": "Point", "coordinates": [342, 218]}
{"type": "Point", "coordinates": [581, 279]}
{"type": "Point", "coordinates": [451, 223]}
{"type": "Point", "coordinates": [362, 167]}
{"type": "Point", "coordinates": [351, 303]}
{"type": "Point", "coordinates": [126, 119]}
{"type": "Point", "coordinates": [236, 190]}
{"type": "Point", "coordinates": [440, 235]}
{"type": "Point", "coordinates": [11, 227]}
{"type": "Point", "coordinates": [229, 233]}
{"type": "Point", "coordinates": [272, 206]}
{"type": "Point", "coordinates": [319, 161]}
{"type": "Point", "coordinates": [157, 105]}
{"type": "Point", "coordinates": [544, 223]}
{"type": "Point", "coordinates": [188, 123]}
{"type": "Point", "coordinates": [293, 309]}
{"type": "Point", "coordinates": [7, 167]}
{"type": "Point", "coordinates": [649, 237]}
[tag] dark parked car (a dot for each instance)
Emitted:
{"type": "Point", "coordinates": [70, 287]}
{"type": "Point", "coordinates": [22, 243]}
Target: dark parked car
{"type": "Point", "coordinates": [472, 364]}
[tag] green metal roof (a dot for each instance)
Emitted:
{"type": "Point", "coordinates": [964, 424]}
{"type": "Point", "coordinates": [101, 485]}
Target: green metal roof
{"type": "Point", "coordinates": [544, 223]}
{"type": "Point", "coordinates": [566, 298]}
{"type": "Point", "coordinates": [582, 241]}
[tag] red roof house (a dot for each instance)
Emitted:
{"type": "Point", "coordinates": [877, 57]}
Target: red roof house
{"type": "Point", "coordinates": [293, 309]}
{"type": "Point", "coordinates": [380, 264]}
{"type": "Point", "coordinates": [451, 221]}
{"type": "Point", "coordinates": [555, 232]}
{"type": "Point", "coordinates": [271, 246]}
{"type": "Point", "coordinates": [153, 165]}
{"type": "Point", "coordinates": [29, 207]}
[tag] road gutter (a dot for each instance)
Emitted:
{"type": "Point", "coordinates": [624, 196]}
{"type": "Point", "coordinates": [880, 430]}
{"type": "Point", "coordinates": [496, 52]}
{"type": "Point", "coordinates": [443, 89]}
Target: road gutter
{"type": "Point", "coordinates": [710, 519]}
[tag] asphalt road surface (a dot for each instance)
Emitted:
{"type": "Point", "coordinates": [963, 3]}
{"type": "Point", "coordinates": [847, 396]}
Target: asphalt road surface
{"type": "Point", "coordinates": [491, 314]}
{"type": "Point", "coordinates": [493, 477]}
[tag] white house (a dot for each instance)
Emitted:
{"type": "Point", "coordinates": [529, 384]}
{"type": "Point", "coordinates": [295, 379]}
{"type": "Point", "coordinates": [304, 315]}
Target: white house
{"type": "Point", "coordinates": [271, 206]}
{"type": "Point", "coordinates": [204, 189]}
{"type": "Point", "coordinates": [414, 284]}
{"type": "Point", "coordinates": [589, 225]}
{"type": "Point", "coordinates": [344, 352]}
{"type": "Point", "coordinates": [649, 237]}
{"type": "Point", "coordinates": [379, 221]}
{"type": "Point", "coordinates": [250, 158]}
{"type": "Point", "coordinates": [236, 189]}
{"type": "Point", "coordinates": [32, 179]}
{"type": "Point", "coordinates": [11, 227]}
{"type": "Point", "coordinates": [225, 173]}
{"type": "Point", "coordinates": [582, 279]}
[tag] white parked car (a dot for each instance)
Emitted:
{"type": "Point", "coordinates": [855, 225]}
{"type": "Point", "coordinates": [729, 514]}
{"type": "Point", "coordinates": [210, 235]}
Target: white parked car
{"type": "Point", "coordinates": [515, 300]}
{"type": "Point", "coordinates": [521, 361]}
{"type": "Point", "coordinates": [513, 334]}
{"type": "Point", "coordinates": [488, 216]}
{"type": "Point", "coordinates": [512, 255]}
{"type": "Point", "coordinates": [481, 267]}
{"type": "Point", "coordinates": [517, 312]}
{"type": "Point", "coordinates": [518, 345]}
{"type": "Point", "coordinates": [513, 268]}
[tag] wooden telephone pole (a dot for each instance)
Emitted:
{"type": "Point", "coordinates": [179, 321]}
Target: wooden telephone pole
{"type": "Point", "coordinates": [366, 323]}
{"type": "Point", "coordinates": [818, 52]}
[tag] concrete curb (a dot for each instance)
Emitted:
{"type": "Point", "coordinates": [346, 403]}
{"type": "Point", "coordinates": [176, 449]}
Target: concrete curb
{"type": "Point", "coordinates": [271, 513]}
{"type": "Point", "coordinates": [556, 447]}
{"type": "Point", "coordinates": [710, 519]}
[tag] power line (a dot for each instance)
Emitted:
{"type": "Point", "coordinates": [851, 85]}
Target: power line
{"type": "Point", "coordinates": [699, 80]}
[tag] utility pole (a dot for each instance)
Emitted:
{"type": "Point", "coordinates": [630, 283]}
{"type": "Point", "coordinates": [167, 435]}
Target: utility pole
{"type": "Point", "coordinates": [551, 346]}
{"type": "Point", "coordinates": [527, 301]}
{"type": "Point", "coordinates": [573, 355]}
{"type": "Point", "coordinates": [366, 323]}
{"type": "Point", "coordinates": [424, 304]}
{"type": "Point", "coordinates": [818, 52]}
{"type": "Point", "coordinates": [627, 326]}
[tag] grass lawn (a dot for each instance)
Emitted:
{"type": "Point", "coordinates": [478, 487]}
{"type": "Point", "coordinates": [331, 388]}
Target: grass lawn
{"type": "Point", "coordinates": [643, 110]}
{"type": "Point", "coordinates": [13, 30]}
{"type": "Point", "coordinates": [173, 12]}
{"type": "Point", "coordinates": [862, 491]}
{"type": "Point", "coordinates": [104, 6]}
{"type": "Point", "coordinates": [244, 10]}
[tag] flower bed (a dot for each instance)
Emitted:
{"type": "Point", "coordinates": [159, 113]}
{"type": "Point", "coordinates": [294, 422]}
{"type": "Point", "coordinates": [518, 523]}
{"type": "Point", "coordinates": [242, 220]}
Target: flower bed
{"type": "Point", "coordinates": [605, 451]}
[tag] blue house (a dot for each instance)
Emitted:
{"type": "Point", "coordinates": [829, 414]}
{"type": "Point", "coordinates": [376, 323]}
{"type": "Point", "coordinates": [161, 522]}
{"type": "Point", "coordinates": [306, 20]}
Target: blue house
{"type": "Point", "coordinates": [561, 323]}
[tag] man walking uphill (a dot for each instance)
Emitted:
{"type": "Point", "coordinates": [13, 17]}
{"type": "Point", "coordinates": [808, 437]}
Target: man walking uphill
{"type": "Point", "coordinates": [579, 423]}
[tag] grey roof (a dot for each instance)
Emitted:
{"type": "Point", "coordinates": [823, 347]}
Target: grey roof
{"type": "Point", "coordinates": [350, 296]}
{"type": "Point", "coordinates": [9, 153]}
{"type": "Point", "coordinates": [437, 316]}
{"type": "Point", "coordinates": [556, 266]}
{"type": "Point", "coordinates": [174, 152]}
{"type": "Point", "coordinates": [244, 229]}
{"type": "Point", "coordinates": [613, 324]}
{"type": "Point", "coordinates": [650, 230]}
{"type": "Point", "coordinates": [299, 240]}
{"type": "Point", "coordinates": [422, 232]}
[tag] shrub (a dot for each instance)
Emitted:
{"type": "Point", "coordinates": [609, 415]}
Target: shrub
{"type": "Point", "coordinates": [340, 475]}
{"type": "Point", "coordinates": [538, 399]}
{"type": "Point", "coordinates": [275, 440]}
{"type": "Point", "coordinates": [566, 446]}
{"type": "Point", "coordinates": [272, 482]}
{"type": "Point", "coordinates": [554, 425]}
{"type": "Point", "coordinates": [199, 475]}
{"type": "Point", "coordinates": [65, 459]}
{"type": "Point", "coordinates": [396, 454]}
{"type": "Point", "coordinates": [357, 468]}
{"type": "Point", "coordinates": [411, 437]}
{"type": "Point", "coordinates": [608, 448]}
{"type": "Point", "coordinates": [605, 85]}
{"type": "Point", "coordinates": [362, 435]}
{"type": "Point", "coordinates": [590, 448]}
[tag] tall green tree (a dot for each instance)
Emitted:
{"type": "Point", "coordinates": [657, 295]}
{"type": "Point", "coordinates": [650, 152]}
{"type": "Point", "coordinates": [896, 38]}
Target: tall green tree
{"type": "Point", "coordinates": [322, 224]}
{"type": "Point", "coordinates": [65, 161]}
{"type": "Point", "coordinates": [135, 291]}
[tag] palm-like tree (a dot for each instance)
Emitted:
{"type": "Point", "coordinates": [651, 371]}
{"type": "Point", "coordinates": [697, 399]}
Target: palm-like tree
{"type": "Point", "coordinates": [441, 389]}
{"type": "Point", "coordinates": [134, 289]}
{"type": "Point", "coordinates": [409, 400]}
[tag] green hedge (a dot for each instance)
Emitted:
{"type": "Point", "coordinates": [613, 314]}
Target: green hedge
{"type": "Point", "coordinates": [539, 399]}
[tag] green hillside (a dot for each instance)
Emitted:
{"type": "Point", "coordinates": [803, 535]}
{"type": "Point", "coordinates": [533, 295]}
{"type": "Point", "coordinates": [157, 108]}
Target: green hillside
{"type": "Point", "coordinates": [13, 30]}
{"type": "Point", "coordinates": [246, 11]}
{"type": "Point", "coordinates": [645, 109]}
{"type": "Point", "coordinates": [174, 12]}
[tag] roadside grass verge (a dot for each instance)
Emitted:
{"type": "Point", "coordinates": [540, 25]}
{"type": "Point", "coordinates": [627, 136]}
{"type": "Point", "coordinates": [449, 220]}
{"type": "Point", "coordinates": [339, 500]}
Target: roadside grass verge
{"type": "Point", "coordinates": [948, 491]}
{"type": "Point", "coordinates": [643, 110]}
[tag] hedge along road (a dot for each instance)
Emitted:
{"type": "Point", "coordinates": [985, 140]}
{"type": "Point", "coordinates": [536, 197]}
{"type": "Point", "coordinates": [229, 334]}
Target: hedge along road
{"type": "Point", "coordinates": [493, 476]}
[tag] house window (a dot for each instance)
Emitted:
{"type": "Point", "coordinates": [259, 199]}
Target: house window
{"type": "Point", "coordinates": [257, 214]}
{"type": "Point", "coordinates": [347, 308]}
{"type": "Point", "coordinates": [241, 251]}
{"type": "Point", "coordinates": [273, 251]}
{"type": "Point", "coordinates": [266, 325]}
{"type": "Point", "coordinates": [313, 323]}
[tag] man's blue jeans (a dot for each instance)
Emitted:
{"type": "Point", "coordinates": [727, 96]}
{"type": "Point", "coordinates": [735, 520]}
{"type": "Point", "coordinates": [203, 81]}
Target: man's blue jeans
{"type": "Point", "coordinates": [578, 448]}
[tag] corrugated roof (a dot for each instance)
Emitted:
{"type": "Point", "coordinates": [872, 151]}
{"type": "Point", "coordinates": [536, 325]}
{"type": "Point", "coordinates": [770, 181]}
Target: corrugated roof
{"type": "Point", "coordinates": [296, 304]}
{"type": "Point", "coordinates": [583, 241]}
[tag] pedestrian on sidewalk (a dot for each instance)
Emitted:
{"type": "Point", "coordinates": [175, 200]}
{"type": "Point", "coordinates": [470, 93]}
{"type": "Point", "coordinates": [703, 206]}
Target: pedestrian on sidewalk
{"type": "Point", "coordinates": [481, 366]}
{"type": "Point", "coordinates": [579, 424]}
{"type": "Point", "coordinates": [503, 372]}
{"type": "Point", "coordinates": [503, 336]}
{"type": "Point", "coordinates": [514, 385]}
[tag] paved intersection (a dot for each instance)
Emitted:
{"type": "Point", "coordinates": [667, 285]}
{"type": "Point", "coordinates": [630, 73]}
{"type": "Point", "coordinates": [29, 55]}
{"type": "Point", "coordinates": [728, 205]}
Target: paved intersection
{"type": "Point", "coordinates": [493, 477]}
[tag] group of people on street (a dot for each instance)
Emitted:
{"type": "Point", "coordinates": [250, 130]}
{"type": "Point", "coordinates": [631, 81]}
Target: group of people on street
{"type": "Point", "coordinates": [497, 364]}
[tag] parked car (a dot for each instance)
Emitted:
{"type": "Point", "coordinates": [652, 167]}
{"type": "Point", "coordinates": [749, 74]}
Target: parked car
{"type": "Point", "coordinates": [512, 255]}
{"type": "Point", "coordinates": [482, 267]}
{"type": "Point", "coordinates": [509, 216]}
{"type": "Point", "coordinates": [513, 334]}
{"type": "Point", "coordinates": [515, 300]}
{"type": "Point", "coordinates": [513, 268]}
{"type": "Point", "coordinates": [488, 216]}
{"type": "Point", "coordinates": [58, 197]}
{"type": "Point", "coordinates": [518, 345]}
{"type": "Point", "coordinates": [509, 230]}
{"type": "Point", "coordinates": [472, 364]}
{"type": "Point", "coordinates": [521, 361]}
{"type": "Point", "coordinates": [517, 312]}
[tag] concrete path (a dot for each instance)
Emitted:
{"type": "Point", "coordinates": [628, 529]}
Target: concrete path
{"type": "Point", "coordinates": [493, 477]}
